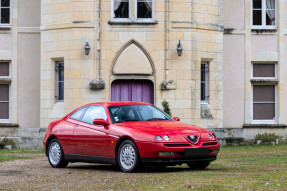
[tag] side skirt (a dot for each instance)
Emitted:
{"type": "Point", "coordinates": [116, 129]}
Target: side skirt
{"type": "Point", "coordinates": [90, 159]}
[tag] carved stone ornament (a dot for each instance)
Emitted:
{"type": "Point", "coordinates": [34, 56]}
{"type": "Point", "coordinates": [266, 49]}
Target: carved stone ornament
{"type": "Point", "coordinates": [170, 85]}
{"type": "Point", "coordinates": [97, 84]}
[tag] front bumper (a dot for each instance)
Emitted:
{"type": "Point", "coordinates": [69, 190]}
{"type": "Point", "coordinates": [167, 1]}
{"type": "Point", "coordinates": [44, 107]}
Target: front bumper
{"type": "Point", "coordinates": [149, 152]}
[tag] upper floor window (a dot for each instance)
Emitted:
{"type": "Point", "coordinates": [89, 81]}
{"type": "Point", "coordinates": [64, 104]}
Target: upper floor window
{"type": "Point", "coordinates": [5, 12]}
{"type": "Point", "coordinates": [264, 14]}
{"type": "Point", "coordinates": [123, 9]}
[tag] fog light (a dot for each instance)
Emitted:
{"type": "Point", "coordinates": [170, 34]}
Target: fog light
{"type": "Point", "coordinates": [166, 154]}
{"type": "Point", "coordinates": [215, 151]}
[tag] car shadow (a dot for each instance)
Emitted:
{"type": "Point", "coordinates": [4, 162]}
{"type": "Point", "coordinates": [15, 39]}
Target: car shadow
{"type": "Point", "coordinates": [145, 169]}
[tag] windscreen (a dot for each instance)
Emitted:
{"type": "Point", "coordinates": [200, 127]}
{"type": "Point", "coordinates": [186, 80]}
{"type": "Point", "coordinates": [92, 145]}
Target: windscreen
{"type": "Point", "coordinates": [128, 113]}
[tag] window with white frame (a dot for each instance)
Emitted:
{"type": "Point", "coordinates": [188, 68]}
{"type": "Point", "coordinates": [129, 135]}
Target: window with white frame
{"type": "Point", "coordinates": [264, 71]}
{"type": "Point", "coordinates": [5, 12]}
{"type": "Point", "coordinates": [264, 102]}
{"type": "Point", "coordinates": [122, 9]}
{"type": "Point", "coordinates": [204, 82]}
{"type": "Point", "coordinates": [60, 81]}
{"type": "Point", "coordinates": [264, 14]}
{"type": "Point", "coordinates": [4, 91]}
{"type": "Point", "coordinates": [144, 9]}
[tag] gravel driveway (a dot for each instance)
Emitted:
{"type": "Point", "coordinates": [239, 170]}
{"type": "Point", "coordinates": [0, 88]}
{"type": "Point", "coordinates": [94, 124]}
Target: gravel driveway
{"type": "Point", "coordinates": [37, 174]}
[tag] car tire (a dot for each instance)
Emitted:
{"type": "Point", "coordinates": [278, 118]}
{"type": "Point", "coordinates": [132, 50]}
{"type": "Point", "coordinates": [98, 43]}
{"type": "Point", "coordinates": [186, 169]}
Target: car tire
{"type": "Point", "coordinates": [198, 165]}
{"type": "Point", "coordinates": [128, 157]}
{"type": "Point", "coordinates": [56, 154]}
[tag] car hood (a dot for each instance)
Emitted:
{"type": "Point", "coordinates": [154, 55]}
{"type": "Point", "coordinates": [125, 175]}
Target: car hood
{"type": "Point", "coordinates": [147, 130]}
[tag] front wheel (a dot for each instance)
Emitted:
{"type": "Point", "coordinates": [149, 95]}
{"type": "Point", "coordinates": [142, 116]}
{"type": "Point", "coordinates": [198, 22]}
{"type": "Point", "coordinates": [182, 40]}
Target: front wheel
{"type": "Point", "coordinates": [198, 165]}
{"type": "Point", "coordinates": [128, 156]}
{"type": "Point", "coordinates": [56, 154]}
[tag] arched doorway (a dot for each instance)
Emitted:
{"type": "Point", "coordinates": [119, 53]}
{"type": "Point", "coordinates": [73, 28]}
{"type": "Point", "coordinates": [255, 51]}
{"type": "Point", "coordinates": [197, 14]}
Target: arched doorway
{"type": "Point", "coordinates": [133, 90]}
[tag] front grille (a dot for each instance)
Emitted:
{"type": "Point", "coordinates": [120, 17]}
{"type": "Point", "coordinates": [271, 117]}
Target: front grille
{"type": "Point", "coordinates": [193, 138]}
{"type": "Point", "coordinates": [176, 145]}
{"type": "Point", "coordinates": [210, 143]}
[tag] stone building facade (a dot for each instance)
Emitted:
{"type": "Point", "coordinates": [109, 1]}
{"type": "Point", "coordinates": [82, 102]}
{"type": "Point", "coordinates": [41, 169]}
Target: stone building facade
{"type": "Point", "coordinates": [254, 62]}
{"type": "Point", "coordinates": [133, 48]}
{"type": "Point", "coordinates": [128, 49]}
{"type": "Point", "coordinates": [20, 71]}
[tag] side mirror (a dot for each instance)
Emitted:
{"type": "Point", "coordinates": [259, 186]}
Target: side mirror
{"type": "Point", "coordinates": [101, 122]}
{"type": "Point", "coordinates": [176, 118]}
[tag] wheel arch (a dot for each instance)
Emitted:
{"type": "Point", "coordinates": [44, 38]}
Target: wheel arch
{"type": "Point", "coordinates": [48, 142]}
{"type": "Point", "coordinates": [120, 141]}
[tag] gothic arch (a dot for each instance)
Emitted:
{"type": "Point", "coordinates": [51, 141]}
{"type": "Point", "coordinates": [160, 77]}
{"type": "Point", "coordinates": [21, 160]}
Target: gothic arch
{"type": "Point", "coordinates": [133, 59]}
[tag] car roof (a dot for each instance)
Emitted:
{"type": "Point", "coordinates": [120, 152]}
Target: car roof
{"type": "Point", "coordinates": [108, 104]}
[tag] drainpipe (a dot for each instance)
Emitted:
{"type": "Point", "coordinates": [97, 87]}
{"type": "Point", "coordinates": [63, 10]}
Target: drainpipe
{"type": "Point", "coordinates": [98, 83]}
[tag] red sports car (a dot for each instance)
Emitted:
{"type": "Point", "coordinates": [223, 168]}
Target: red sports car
{"type": "Point", "coordinates": [130, 135]}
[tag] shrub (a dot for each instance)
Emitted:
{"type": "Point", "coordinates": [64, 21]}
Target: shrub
{"type": "Point", "coordinates": [166, 108]}
{"type": "Point", "coordinates": [266, 137]}
{"type": "Point", "coordinates": [5, 142]}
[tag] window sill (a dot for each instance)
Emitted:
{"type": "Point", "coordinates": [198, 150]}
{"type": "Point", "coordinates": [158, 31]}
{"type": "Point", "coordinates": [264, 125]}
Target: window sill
{"type": "Point", "coordinates": [132, 22]}
{"type": "Point", "coordinates": [5, 27]}
{"type": "Point", "coordinates": [5, 80]}
{"type": "Point", "coordinates": [9, 125]}
{"type": "Point", "coordinates": [260, 31]}
{"type": "Point", "coordinates": [265, 125]}
{"type": "Point", "coordinates": [273, 81]}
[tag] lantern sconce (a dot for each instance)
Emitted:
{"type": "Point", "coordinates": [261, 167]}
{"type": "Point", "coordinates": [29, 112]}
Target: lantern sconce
{"type": "Point", "coordinates": [87, 48]}
{"type": "Point", "coordinates": [179, 49]}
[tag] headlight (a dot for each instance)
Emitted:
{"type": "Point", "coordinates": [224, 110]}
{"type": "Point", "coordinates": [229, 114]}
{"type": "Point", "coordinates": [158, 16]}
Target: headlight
{"type": "Point", "coordinates": [166, 137]}
{"type": "Point", "coordinates": [158, 137]}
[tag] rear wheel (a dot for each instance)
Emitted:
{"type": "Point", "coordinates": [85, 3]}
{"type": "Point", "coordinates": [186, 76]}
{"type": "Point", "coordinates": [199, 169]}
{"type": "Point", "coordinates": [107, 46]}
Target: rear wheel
{"type": "Point", "coordinates": [198, 165]}
{"type": "Point", "coordinates": [56, 154]}
{"type": "Point", "coordinates": [128, 156]}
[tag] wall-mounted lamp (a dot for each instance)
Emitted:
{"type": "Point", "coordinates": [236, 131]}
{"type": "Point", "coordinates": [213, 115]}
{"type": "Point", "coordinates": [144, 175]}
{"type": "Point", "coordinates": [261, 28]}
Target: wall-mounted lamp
{"type": "Point", "coordinates": [87, 48]}
{"type": "Point", "coordinates": [179, 49]}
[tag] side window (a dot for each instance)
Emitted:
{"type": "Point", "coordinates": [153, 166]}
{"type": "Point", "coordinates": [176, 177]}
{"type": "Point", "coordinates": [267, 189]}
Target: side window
{"type": "Point", "coordinates": [78, 114]}
{"type": "Point", "coordinates": [94, 112]}
{"type": "Point", "coordinates": [5, 12]}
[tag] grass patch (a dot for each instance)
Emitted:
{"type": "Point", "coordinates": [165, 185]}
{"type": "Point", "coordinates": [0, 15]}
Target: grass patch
{"type": "Point", "coordinates": [14, 154]}
{"type": "Point", "coordinates": [22, 151]}
{"type": "Point", "coordinates": [5, 158]}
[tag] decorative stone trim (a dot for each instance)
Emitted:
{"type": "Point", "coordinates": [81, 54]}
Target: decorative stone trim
{"type": "Point", "coordinates": [132, 22]}
{"type": "Point", "coordinates": [12, 125]}
{"type": "Point", "coordinates": [278, 126]}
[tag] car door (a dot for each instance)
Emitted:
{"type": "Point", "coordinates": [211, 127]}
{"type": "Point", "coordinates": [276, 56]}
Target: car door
{"type": "Point", "coordinates": [91, 139]}
{"type": "Point", "coordinates": [67, 131]}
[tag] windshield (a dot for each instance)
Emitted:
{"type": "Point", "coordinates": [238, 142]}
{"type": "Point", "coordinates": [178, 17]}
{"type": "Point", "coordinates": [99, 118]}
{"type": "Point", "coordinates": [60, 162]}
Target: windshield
{"type": "Point", "coordinates": [128, 113]}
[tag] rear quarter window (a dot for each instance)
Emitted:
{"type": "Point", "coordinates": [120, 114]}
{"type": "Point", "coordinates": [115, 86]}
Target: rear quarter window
{"type": "Point", "coordinates": [79, 114]}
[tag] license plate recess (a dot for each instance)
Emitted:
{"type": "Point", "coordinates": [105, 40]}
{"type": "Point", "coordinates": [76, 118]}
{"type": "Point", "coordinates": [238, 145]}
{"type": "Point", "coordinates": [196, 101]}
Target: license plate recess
{"type": "Point", "coordinates": [196, 152]}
